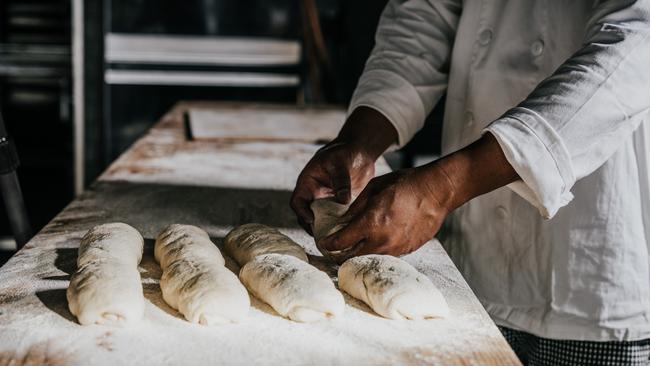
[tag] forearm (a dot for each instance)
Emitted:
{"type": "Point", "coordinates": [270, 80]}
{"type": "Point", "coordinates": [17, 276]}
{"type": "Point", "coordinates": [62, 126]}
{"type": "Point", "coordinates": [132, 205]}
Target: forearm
{"type": "Point", "coordinates": [368, 131]}
{"type": "Point", "coordinates": [470, 172]}
{"type": "Point", "coordinates": [578, 117]}
{"type": "Point", "coordinates": [455, 179]}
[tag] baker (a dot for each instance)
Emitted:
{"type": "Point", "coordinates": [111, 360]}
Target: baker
{"type": "Point", "coordinates": [544, 186]}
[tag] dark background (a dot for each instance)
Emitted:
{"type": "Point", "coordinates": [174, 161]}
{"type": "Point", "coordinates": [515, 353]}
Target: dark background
{"type": "Point", "coordinates": [36, 78]}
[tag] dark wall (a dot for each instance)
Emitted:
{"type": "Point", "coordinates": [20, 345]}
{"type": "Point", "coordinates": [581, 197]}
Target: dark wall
{"type": "Point", "coordinates": [35, 101]}
{"type": "Point", "coordinates": [37, 107]}
{"type": "Point", "coordinates": [267, 18]}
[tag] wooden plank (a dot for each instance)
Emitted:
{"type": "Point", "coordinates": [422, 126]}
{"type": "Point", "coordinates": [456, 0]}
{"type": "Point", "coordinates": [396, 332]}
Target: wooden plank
{"type": "Point", "coordinates": [165, 155]}
{"type": "Point", "coordinates": [200, 78]}
{"type": "Point", "coordinates": [154, 184]}
{"type": "Point", "coordinates": [201, 50]}
{"type": "Point", "coordinates": [266, 122]}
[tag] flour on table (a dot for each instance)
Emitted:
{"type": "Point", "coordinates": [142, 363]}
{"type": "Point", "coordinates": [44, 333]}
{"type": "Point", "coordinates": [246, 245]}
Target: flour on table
{"type": "Point", "coordinates": [106, 287]}
{"type": "Point", "coordinates": [392, 288]}
{"type": "Point", "coordinates": [195, 280]}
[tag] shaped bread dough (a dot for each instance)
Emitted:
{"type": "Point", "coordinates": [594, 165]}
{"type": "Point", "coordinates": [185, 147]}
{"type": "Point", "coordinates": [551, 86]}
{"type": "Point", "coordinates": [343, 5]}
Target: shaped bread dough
{"type": "Point", "coordinates": [106, 287]}
{"type": "Point", "coordinates": [392, 288]}
{"type": "Point", "coordinates": [195, 280]}
{"type": "Point", "coordinates": [327, 213]}
{"type": "Point", "coordinates": [246, 242]}
{"type": "Point", "coordinates": [294, 288]}
{"type": "Point", "coordinates": [177, 241]}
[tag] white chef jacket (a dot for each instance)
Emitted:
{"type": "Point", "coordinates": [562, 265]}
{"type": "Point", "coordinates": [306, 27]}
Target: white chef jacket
{"type": "Point", "coordinates": [565, 87]}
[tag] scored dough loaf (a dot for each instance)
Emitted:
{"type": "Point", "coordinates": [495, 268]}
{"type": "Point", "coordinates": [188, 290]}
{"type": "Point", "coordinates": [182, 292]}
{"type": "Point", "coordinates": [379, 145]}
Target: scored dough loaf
{"type": "Point", "coordinates": [246, 242]}
{"type": "Point", "coordinates": [294, 288]}
{"type": "Point", "coordinates": [177, 241]}
{"type": "Point", "coordinates": [195, 280]}
{"type": "Point", "coordinates": [106, 288]}
{"type": "Point", "coordinates": [392, 288]}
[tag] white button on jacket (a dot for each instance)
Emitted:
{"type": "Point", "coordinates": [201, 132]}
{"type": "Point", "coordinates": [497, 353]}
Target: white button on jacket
{"type": "Point", "coordinates": [565, 87]}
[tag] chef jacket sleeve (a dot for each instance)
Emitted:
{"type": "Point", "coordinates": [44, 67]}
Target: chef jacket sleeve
{"type": "Point", "coordinates": [406, 73]}
{"type": "Point", "coordinates": [577, 118]}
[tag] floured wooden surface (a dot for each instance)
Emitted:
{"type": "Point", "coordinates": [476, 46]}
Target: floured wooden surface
{"type": "Point", "coordinates": [148, 192]}
{"type": "Point", "coordinates": [165, 155]}
{"type": "Point", "coordinates": [265, 122]}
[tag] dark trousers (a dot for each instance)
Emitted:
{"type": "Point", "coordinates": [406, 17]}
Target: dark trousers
{"type": "Point", "coordinates": [537, 351]}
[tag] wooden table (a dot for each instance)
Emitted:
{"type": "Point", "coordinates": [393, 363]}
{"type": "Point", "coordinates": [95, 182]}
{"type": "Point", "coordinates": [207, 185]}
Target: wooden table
{"type": "Point", "coordinates": [164, 179]}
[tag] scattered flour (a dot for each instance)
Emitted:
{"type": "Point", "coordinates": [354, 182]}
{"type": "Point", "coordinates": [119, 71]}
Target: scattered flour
{"type": "Point", "coordinates": [33, 311]}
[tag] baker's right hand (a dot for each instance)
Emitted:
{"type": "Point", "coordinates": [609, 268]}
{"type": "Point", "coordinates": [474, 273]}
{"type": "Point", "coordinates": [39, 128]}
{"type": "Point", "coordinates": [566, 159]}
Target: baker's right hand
{"type": "Point", "coordinates": [343, 167]}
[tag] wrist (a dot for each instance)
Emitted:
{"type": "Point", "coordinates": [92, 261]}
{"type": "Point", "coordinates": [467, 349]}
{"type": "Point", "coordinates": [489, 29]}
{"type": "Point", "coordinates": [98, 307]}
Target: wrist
{"type": "Point", "coordinates": [438, 186]}
{"type": "Point", "coordinates": [472, 171]}
{"type": "Point", "coordinates": [368, 132]}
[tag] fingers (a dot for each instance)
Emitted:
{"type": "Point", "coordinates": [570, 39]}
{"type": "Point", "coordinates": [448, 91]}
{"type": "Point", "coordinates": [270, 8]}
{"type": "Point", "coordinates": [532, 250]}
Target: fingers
{"type": "Point", "coordinates": [346, 238]}
{"type": "Point", "coordinates": [301, 198]}
{"type": "Point", "coordinates": [354, 233]}
{"type": "Point", "coordinates": [340, 183]}
{"type": "Point", "coordinates": [327, 174]}
{"type": "Point", "coordinates": [300, 201]}
{"type": "Point", "coordinates": [361, 236]}
{"type": "Point", "coordinates": [343, 255]}
{"type": "Point", "coordinates": [303, 214]}
{"type": "Point", "coordinates": [308, 188]}
{"type": "Point", "coordinates": [364, 248]}
{"type": "Point", "coordinates": [376, 248]}
{"type": "Point", "coordinates": [357, 208]}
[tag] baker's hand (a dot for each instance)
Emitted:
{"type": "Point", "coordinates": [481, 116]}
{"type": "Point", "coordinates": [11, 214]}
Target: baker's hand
{"type": "Point", "coordinates": [339, 169]}
{"type": "Point", "coordinates": [398, 212]}
{"type": "Point", "coordinates": [343, 167]}
{"type": "Point", "coordinates": [395, 214]}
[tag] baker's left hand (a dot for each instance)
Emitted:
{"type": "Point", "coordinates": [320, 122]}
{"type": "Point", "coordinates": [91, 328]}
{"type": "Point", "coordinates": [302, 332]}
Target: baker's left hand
{"type": "Point", "coordinates": [395, 214]}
